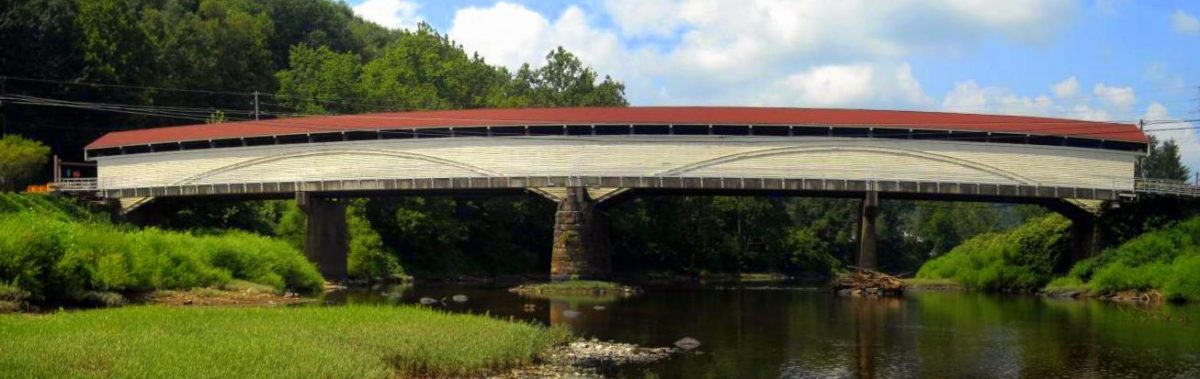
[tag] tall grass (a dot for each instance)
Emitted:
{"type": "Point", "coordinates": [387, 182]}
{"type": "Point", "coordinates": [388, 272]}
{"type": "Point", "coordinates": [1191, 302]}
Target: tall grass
{"type": "Point", "coordinates": [1022, 259]}
{"type": "Point", "coordinates": [55, 259]}
{"type": "Point", "coordinates": [47, 205]}
{"type": "Point", "coordinates": [1167, 259]}
{"type": "Point", "coordinates": [306, 342]}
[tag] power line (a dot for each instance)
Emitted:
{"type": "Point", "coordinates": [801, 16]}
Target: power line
{"type": "Point", "coordinates": [395, 107]}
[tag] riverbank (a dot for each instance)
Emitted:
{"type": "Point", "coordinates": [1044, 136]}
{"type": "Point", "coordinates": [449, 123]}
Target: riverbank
{"type": "Point", "coordinates": [305, 342]}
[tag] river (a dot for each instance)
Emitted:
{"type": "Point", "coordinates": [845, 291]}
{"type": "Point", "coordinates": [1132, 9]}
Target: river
{"type": "Point", "coordinates": [750, 332]}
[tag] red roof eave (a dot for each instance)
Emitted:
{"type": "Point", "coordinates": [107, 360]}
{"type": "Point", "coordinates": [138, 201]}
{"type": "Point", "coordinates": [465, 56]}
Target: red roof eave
{"type": "Point", "coordinates": [628, 115]}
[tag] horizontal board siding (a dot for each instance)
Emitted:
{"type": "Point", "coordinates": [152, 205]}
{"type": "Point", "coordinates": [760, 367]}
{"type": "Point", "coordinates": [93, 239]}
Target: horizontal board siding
{"type": "Point", "coordinates": [709, 156]}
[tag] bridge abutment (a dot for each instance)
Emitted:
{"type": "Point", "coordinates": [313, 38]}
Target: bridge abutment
{"type": "Point", "coordinates": [867, 257]}
{"type": "Point", "coordinates": [326, 237]}
{"type": "Point", "coordinates": [582, 248]}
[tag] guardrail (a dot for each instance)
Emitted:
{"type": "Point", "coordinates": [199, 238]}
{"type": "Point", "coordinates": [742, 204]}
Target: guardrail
{"type": "Point", "coordinates": [1166, 187]}
{"type": "Point", "coordinates": [75, 185]}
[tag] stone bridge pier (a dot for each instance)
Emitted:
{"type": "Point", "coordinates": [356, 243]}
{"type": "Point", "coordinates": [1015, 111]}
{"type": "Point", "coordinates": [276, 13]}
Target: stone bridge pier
{"type": "Point", "coordinates": [582, 248]}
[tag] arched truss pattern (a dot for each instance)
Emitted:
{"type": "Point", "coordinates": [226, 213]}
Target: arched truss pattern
{"type": "Point", "coordinates": [794, 150]}
{"type": "Point", "coordinates": [259, 162]}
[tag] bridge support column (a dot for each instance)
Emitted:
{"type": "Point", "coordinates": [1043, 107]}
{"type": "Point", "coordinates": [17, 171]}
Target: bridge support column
{"type": "Point", "coordinates": [326, 237]}
{"type": "Point", "coordinates": [581, 245]}
{"type": "Point", "coordinates": [867, 258]}
{"type": "Point", "coordinates": [1085, 237]}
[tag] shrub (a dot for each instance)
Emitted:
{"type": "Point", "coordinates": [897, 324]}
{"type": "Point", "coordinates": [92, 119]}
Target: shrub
{"type": "Point", "coordinates": [1167, 259]}
{"type": "Point", "coordinates": [20, 160]}
{"type": "Point", "coordinates": [60, 260]}
{"type": "Point", "coordinates": [1022, 259]}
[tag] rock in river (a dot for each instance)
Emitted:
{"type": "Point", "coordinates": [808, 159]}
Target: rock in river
{"type": "Point", "coordinates": [687, 343]}
{"type": "Point", "coordinates": [428, 301]}
{"type": "Point", "coordinates": [459, 298]}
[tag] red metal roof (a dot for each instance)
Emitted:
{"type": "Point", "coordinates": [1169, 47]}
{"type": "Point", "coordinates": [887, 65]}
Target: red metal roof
{"type": "Point", "coordinates": [630, 115]}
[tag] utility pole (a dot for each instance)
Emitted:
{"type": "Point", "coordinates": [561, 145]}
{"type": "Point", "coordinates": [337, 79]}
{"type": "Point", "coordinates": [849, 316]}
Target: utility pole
{"type": "Point", "coordinates": [2, 94]}
{"type": "Point", "coordinates": [1141, 167]}
{"type": "Point", "coordinates": [255, 105]}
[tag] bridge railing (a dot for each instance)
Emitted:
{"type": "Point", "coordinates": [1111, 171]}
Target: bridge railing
{"type": "Point", "coordinates": [75, 185]}
{"type": "Point", "coordinates": [1166, 187]}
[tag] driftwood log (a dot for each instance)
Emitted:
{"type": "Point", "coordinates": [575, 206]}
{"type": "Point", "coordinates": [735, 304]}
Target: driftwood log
{"type": "Point", "coordinates": [868, 283]}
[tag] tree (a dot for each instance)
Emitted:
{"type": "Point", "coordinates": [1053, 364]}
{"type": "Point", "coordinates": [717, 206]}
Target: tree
{"type": "Point", "coordinates": [20, 160]}
{"type": "Point", "coordinates": [564, 81]}
{"type": "Point", "coordinates": [1163, 161]}
{"type": "Point", "coordinates": [320, 81]}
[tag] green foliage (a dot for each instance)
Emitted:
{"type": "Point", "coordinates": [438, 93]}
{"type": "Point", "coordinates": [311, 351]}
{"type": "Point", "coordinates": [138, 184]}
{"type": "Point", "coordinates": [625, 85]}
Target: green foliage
{"type": "Point", "coordinates": [564, 81]}
{"type": "Point", "coordinates": [60, 260]}
{"type": "Point", "coordinates": [320, 81]}
{"type": "Point", "coordinates": [1167, 259]}
{"type": "Point", "coordinates": [1163, 161]}
{"type": "Point", "coordinates": [1022, 259]}
{"type": "Point", "coordinates": [257, 342]}
{"type": "Point", "coordinates": [47, 205]}
{"type": "Point", "coordinates": [368, 259]}
{"type": "Point", "coordinates": [20, 160]}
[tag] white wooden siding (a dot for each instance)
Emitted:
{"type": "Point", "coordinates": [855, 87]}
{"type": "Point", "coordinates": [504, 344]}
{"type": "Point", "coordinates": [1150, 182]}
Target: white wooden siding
{"type": "Point", "coordinates": [708, 156]}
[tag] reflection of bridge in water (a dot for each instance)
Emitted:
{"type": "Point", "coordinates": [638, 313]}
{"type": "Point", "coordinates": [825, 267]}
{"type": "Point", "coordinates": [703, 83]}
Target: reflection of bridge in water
{"type": "Point", "coordinates": [588, 158]}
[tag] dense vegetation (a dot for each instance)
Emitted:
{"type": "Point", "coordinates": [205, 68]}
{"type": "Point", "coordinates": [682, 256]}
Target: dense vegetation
{"type": "Point", "coordinates": [306, 342]}
{"type": "Point", "coordinates": [1167, 260]}
{"type": "Point", "coordinates": [53, 251]}
{"type": "Point", "coordinates": [20, 160]}
{"type": "Point", "coordinates": [1023, 259]}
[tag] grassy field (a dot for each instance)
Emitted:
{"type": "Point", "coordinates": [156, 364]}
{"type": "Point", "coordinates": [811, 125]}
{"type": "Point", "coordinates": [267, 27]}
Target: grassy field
{"type": "Point", "coordinates": [303, 342]}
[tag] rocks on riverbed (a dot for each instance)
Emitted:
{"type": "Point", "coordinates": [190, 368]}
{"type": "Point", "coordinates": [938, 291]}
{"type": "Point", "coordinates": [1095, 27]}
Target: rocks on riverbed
{"type": "Point", "coordinates": [591, 359]}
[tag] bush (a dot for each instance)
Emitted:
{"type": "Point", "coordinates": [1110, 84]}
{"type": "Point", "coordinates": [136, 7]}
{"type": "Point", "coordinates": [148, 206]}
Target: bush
{"type": "Point", "coordinates": [1022, 259]}
{"type": "Point", "coordinates": [58, 260]}
{"type": "Point", "coordinates": [1167, 259]}
{"type": "Point", "coordinates": [20, 160]}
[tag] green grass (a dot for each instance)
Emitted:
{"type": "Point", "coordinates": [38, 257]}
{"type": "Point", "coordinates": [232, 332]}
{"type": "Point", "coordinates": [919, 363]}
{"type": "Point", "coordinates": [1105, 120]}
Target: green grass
{"type": "Point", "coordinates": [304, 342]}
{"type": "Point", "coordinates": [1167, 260]}
{"type": "Point", "coordinates": [59, 260]}
{"type": "Point", "coordinates": [1023, 259]}
{"type": "Point", "coordinates": [576, 285]}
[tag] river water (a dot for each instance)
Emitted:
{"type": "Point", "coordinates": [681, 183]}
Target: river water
{"type": "Point", "coordinates": [804, 333]}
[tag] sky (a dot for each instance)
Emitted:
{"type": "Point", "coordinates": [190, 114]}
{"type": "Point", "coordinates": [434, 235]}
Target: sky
{"type": "Point", "coordinates": [1104, 60]}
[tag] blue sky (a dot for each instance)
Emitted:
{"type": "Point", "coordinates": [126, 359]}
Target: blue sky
{"type": "Point", "coordinates": [1112, 60]}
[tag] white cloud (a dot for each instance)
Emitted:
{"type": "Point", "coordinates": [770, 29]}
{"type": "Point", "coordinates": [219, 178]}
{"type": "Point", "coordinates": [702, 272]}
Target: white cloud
{"type": "Point", "coordinates": [847, 85]}
{"type": "Point", "coordinates": [395, 14]}
{"type": "Point", "coordinates": [1184, 23]}
{"type": "Point", "coordinates": [1184, 135]}
{"type": "Point", "coordinates": [506, 34]}
{"type": "Point", "coordinates": [1067, 88]}
{"type": "Point", "coordinates": [510, 34]}
{"type": "Point", "coordinates": [1121, 98]}
{"type": "Point", "coordinates": [725, 52]}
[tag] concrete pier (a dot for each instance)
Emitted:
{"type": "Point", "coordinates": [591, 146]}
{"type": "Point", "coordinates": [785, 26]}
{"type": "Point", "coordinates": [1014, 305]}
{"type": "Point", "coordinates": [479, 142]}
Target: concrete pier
{"type": "Point", "coordinates": [326, 237]}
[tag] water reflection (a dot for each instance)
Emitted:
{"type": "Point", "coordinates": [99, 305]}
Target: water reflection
{"type": "Point", "coordinates": [811, 334]}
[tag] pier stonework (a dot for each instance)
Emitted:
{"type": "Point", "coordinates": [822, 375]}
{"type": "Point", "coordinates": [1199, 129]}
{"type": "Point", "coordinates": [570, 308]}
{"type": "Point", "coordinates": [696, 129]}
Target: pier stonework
{"type": "Point", "coordinates": [867, 257]}
{"type": "Point", "coordinates": [582, 248]}
{"type": "Point", "coordinates": [326, 237]}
